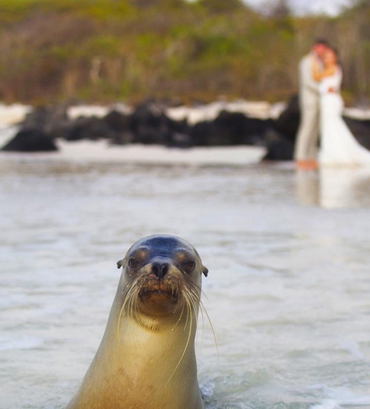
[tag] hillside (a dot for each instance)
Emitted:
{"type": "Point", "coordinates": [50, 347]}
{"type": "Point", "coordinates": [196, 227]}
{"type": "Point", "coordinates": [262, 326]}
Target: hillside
{"type": "Point", "coordinates": [108, 50]}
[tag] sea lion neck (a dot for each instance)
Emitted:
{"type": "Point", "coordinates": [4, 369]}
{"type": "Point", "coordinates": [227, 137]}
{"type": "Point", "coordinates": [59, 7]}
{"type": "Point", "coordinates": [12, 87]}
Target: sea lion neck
{"type": "Point", "coordinates": [157, 323]}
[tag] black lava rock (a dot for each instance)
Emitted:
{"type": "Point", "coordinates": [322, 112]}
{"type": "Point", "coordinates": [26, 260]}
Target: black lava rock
{"type": "Point", "coordinates": [231, 128]}
{"type": "Point", "coordinates": [360, 129]}
{"type": "Point", "coordinates": [118, 122]}
{"type": "Point", "coordinates": [150, 125]}
{"type": "Point", "coordinates": [31, 140]}
{"type": "Point", "coordinates": [51, 120]}
{"type": "Point", "coordinates": [288, 122]}
{"type": "Point", "coordinates": [279, 148]}
{"type": "Point", "coordinates": [91, 128]}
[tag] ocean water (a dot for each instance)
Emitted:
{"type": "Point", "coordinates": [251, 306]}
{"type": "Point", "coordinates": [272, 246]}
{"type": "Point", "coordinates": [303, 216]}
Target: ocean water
{"type": "Point", "coordinates": [288, 290]}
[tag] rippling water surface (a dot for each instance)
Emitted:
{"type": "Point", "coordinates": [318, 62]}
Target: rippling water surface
{"type": "Point", "coordinates": [288, 290]}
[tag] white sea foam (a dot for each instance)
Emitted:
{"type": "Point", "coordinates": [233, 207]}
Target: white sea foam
{"type": "Point", "coordinates": [327, 404]}
{"type": "Point", "coordinates": [354, 349]}
{"type": "Point", "coordinates": [77, 111]}
{"type": "Point", "coordinates": [13, 114]}
{"type": "Point", "coordinates": [347, 397]}
{"type": "Point", "coordinates": [99, 111]}
{"type": "Point", "coordinates": [208, 112]}
{"type": "Point", "coordinates": [338, 397]}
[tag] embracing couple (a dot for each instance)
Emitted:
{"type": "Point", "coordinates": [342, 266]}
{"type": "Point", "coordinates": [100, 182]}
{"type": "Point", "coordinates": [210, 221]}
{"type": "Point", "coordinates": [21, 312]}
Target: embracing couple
{"type": "Point", "coordinates": [321, 113]}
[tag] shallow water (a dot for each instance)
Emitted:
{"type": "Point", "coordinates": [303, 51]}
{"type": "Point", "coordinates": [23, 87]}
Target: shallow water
{"type": "Point", "coordinates": [288, 289]}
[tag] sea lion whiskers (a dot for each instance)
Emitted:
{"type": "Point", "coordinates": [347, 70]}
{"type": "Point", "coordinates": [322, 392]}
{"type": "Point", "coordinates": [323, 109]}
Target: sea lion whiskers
{"type": "Point", "coordinates": [194, 294]}
{"type": "Point", "coordinates": [188, 309]}
{"type": "Point", "coordinates": [128, 296]}
{"type": "Point", "coordinates": [180, 317]}
{"type": "Point", "coordinates": [136, 305]}
{"type": "Point", "coordinates": [198, 287]}
{"type": "Point", "coordinates": [187, 295]}
{"type": "Point", "coordinates": [187, 301]}
{"type": "Point", "coordinates": [203, 309]}
{"type": "Point", "coordinates": [193, 298]}
{"type": "Point", "coordinates": [133, 303]}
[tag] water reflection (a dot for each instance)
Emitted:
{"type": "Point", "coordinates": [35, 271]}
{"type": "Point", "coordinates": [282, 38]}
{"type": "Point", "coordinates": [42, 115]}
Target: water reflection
{"type": "Point", "coordinates": [307, 188]}
{"type": "Point", "coordinates": [334, 188]}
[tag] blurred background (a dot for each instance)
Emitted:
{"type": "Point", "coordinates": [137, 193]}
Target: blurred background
{"type": "Point", "coordinates": [184, 51]}
{"type": "Point", "coordinates": [139, 117]}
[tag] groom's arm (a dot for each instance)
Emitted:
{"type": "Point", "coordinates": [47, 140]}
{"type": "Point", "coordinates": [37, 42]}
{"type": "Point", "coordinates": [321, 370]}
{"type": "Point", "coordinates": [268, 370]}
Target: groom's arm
{"type": "Point", "coordinates": [306, 76]}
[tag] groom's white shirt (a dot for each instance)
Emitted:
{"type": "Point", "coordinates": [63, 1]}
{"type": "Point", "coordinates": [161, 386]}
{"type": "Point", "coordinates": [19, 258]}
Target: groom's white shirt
{"type": "Point", "coordinates": [309, 98]}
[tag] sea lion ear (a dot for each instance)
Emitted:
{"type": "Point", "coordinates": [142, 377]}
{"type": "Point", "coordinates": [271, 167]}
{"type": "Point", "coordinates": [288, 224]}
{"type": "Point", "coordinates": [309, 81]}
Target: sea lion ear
{"type": "Point", "coordinates": [205, 271]}
{"type": "Point", "coordinates": [119, 263]}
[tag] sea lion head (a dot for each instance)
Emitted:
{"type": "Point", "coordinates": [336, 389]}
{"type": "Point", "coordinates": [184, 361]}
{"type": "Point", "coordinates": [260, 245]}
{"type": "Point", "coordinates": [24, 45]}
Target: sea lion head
{"type": "Point", "coordinates": [162, 274]}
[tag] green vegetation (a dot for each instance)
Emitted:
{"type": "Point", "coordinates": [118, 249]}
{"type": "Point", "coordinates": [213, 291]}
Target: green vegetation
{"type": "Point", "coordinates": [104, 50]}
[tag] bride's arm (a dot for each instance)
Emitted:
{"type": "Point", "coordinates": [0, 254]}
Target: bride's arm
{"type": "Point", "coordinates": [319, 75]}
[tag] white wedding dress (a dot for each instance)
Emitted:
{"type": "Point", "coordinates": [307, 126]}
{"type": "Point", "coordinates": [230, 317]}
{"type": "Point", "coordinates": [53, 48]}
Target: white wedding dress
{"type": "Point", "coordinates": [338, 146]}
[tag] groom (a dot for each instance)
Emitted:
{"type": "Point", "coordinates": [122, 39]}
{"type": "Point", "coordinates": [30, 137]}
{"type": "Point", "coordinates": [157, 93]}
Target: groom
{"type": "Point", "coordinates": [305, 153]}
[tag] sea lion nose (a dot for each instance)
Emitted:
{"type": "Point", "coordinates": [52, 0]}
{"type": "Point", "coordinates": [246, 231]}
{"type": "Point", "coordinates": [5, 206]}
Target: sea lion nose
{"type": "Point", "coordinates": [160, 269]}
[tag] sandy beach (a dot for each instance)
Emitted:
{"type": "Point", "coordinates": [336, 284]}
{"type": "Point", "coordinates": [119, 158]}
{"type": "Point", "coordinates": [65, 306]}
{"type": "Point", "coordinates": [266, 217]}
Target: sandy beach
{"type": "Point", "coordinates": [100, 151]}
{"type": "Point", "coordinates": [144, 154]}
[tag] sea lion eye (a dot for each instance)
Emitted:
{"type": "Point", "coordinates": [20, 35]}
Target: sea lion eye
{"type": "Point", "coordinates": [188, 267]}
{"type": "Point", "coordinates": [133, 263]}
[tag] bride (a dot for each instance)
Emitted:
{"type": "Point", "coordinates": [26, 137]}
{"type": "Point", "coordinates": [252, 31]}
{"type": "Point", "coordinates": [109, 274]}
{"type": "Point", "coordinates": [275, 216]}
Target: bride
{"type": "Point", "coordinates": [338, 146]}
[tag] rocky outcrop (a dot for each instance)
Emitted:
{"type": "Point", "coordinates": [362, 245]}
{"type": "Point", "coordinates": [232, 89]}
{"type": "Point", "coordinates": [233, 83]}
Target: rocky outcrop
{"type": "Point", "coordinates": [39, 130]}
{"type": "Point", "coordinates": [360, 129]}
{"type": "Point", "coordinates": [31, 140]}
{"type": "Point", "coordinates": [149, 124]}
{"type": "Point", "coordinates": [231, 128]}
{"type": "Point", "coordinates": [279, 148]}
{"type": "Point", "coordinates": [288, 122]}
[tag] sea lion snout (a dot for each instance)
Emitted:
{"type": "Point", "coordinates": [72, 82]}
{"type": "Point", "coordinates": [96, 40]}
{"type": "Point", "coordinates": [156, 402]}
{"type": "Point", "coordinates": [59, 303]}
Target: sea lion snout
{"type": "Point", "coordinates": [160, 278]}
{"type": "Point", "coordinates": [160, 267]}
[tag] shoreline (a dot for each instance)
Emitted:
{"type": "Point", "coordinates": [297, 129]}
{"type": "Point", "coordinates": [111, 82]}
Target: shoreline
{"type": "Point", "coordinates": [220, 133]}
{"type": "Point", "coordinates": [102, 152]}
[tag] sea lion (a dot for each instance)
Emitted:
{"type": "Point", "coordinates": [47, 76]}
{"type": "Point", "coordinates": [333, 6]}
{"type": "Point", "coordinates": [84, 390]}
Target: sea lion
{"type": "Point", "coordinates": [146, 359]}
